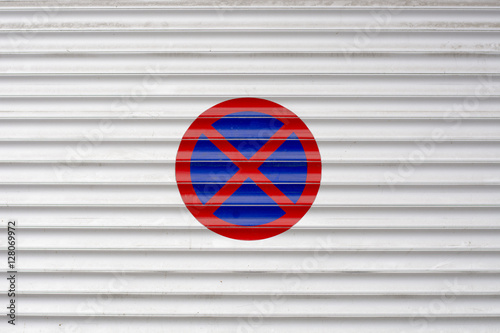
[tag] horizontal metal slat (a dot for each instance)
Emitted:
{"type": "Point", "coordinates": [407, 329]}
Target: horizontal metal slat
{"type": "Point", "coordinates": [262, 4]}
{"type": "Point", "coordinates": [78, 107]}
{"type": "Point", "coordinates": [296, 306]}
{"type": "Point", "coordinates": [255, 262]}
{"type": "Point", "coordinates": [66, 154]}
{"type": "Point", "coordinates": [252, 62]}
{"type": "Point", "coordinates": [323, 129]}
{"type": "Point", "coordinates": [321, 19]}
{"type": "Point", "coordinates": [335, 174]}
{"type": "Point", "coordinates": [328, 196]}
{"type": "Point", "coordinates": [351, 43]}
{"type": "Point", "coordinates": [318, 217]}
{"type": "Point", "coordinates": [101, 324]}
{"type": "Point", "coordinates": [250, 85]}
{"type": "Point", "coordinates": [342, 283]}
{"type": "Point", "coordinates": [300, 239]}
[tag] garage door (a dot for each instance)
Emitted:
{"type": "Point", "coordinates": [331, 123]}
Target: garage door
{"type": "Point", "coordinates": [384, 194]}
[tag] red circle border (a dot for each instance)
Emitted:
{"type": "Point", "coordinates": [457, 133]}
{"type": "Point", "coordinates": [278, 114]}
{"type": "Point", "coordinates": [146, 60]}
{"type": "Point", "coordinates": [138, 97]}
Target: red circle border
{"type": "Point", "coordinates": [204, 214]}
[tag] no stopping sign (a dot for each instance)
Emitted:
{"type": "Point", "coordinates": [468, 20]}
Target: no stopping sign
{"type": "Point", "coordinates": [248, 169]}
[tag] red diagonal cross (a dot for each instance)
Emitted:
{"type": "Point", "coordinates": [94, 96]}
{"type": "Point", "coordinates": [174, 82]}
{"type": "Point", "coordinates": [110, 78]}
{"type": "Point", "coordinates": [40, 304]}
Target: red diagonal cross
{"type": "Point", "coordinates": [249, 168]}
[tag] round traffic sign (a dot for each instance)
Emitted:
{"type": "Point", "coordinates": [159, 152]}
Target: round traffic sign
{"type": "Point", "coordinates": [248, 169]}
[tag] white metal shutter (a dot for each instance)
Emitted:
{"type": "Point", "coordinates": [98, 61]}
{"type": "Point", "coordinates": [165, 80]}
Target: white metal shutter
{"type": "Point", "coordinates": [402, 96]}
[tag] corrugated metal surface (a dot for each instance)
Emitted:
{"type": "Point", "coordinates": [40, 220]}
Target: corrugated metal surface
{"type": "Point", "coordinates": [403, 98]}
